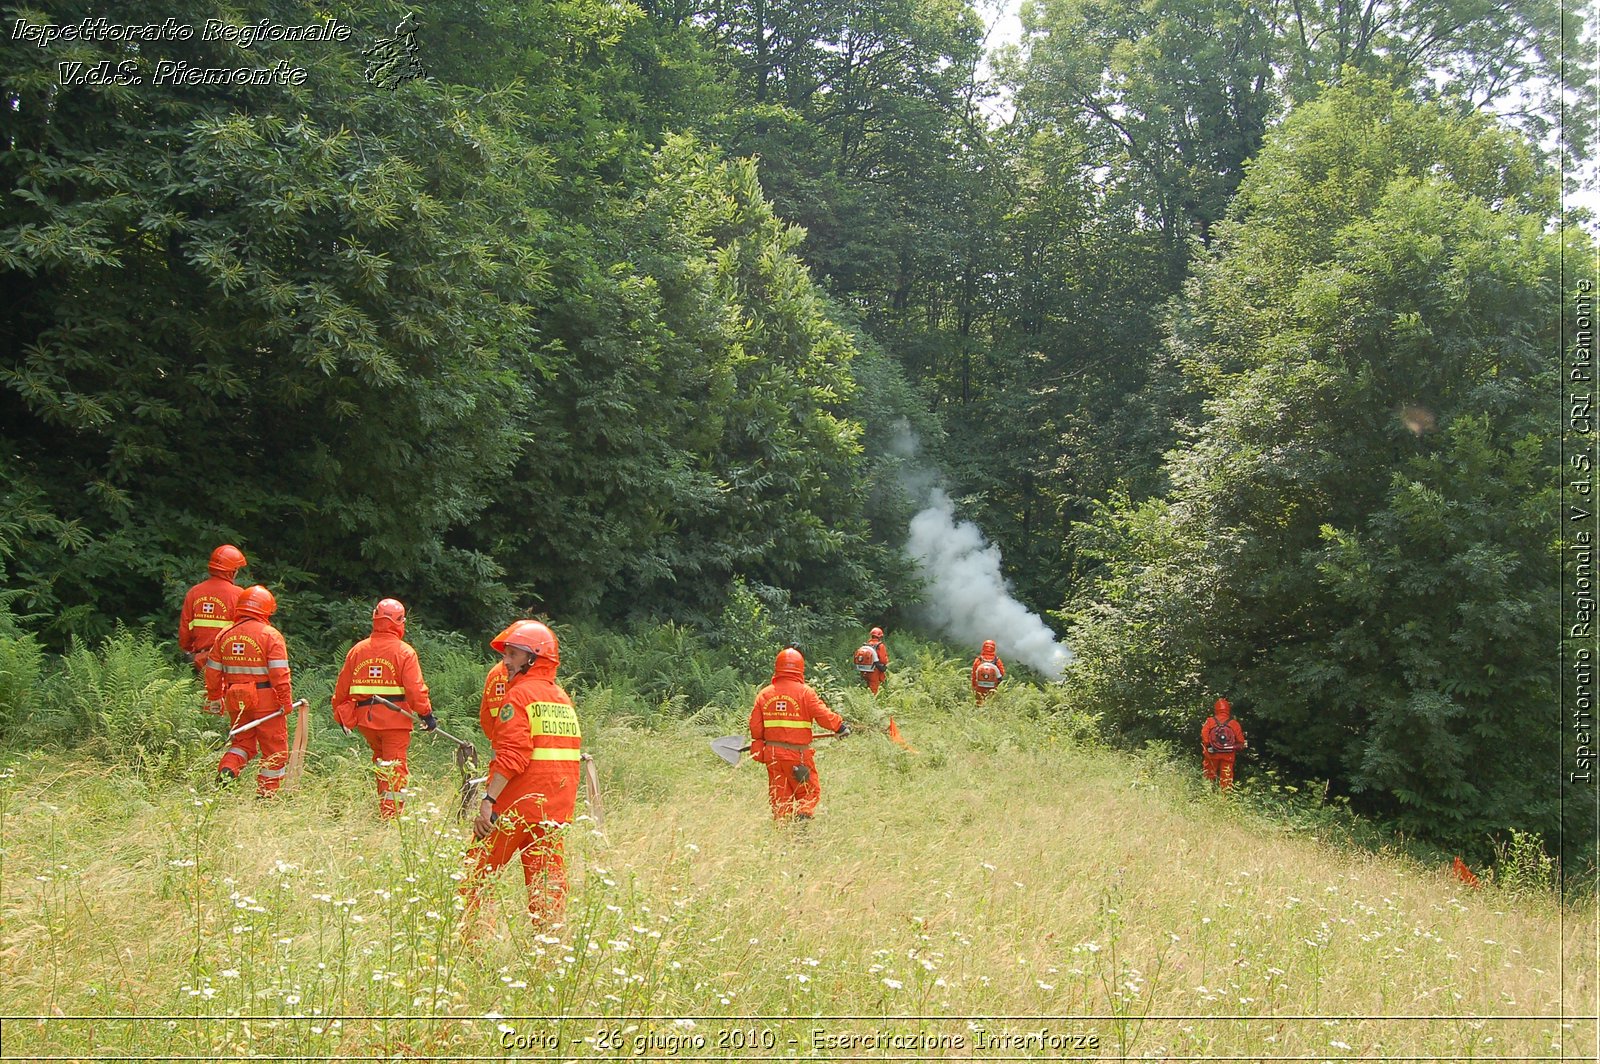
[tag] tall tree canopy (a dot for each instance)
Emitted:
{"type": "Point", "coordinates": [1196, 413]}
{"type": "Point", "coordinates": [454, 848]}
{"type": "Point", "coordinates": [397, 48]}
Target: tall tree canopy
{"type": "Point", "coordinates": [1359, 543]}
{"type": "Point", "coordinates": [470, 339]}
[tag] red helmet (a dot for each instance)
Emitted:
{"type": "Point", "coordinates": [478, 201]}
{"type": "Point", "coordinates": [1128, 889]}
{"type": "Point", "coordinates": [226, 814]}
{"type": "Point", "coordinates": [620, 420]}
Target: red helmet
{"type": "Point", "coordinates": [255, 602]}
{"type": "Point", "coordinates": [498, 643]}
{"type": "Point", "coordinates": [1222, 705]}
{"type": "Point", "coordinates": [790, 663]}
{"type": "Point", "coordinates": [227, 560]}
{"type": "Point", "coordinates": [535, 638]}
{"type": "Point", "coordinates": [390, 610]}
{"type": "Point", "coordinates": [988, 649]}
{"type": "Point", "coordinates": [877, 633]}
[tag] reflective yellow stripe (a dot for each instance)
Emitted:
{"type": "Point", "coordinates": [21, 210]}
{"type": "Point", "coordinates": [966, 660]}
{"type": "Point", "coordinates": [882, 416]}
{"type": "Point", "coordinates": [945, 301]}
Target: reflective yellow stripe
{"type": "Point", "coordinates": [201, 623]}
{"type": "Point", "coordinates": [545, 753]}
{"type": "Point", "coordinates": [802, 725]}
{"type": "Point", "coordinates": [376, 689]}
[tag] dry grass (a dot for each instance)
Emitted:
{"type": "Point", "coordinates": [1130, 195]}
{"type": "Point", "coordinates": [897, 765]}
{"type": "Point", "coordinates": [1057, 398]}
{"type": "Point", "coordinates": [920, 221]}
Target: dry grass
{"type": "Point", "coordinates": [1001, 881]}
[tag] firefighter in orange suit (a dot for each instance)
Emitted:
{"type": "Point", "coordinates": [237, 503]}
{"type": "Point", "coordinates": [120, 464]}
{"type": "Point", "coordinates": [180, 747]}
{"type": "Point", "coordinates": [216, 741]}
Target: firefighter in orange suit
{"type": "Point", "coordinates": [247, 671]}
{"type": "Point", "coordinates": [1221, 738]}
{"type": "Point", "coordinates": [494, 685]}
{"type": "Point", "coordinates": [384, 664]}
{"type": "Point", "coordinates": [208, 606]}
{"type": "Point", "coordinates": [872, 661]}
{"type": "Point", "coordinates": [987, 671]}
{"type": "Point", "coordinates": [780, 736]}
{"type": "Point", "coordinates": [533, 776]}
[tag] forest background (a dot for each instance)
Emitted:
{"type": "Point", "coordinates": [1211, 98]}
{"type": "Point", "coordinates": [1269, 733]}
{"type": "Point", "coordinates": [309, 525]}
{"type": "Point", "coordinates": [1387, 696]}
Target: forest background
{"type": "Point", "coordinates": [1241, 330]}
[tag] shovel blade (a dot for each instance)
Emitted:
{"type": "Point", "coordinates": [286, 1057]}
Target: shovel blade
{"type": "Point", "coordinates": [729, 747]}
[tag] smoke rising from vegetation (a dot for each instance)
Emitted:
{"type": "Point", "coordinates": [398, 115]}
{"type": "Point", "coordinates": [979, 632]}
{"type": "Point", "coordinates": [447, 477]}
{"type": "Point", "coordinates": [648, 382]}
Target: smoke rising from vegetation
{"type": "Point", "coordinates": [966, 595]}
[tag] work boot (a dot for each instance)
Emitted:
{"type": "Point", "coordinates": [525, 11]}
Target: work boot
{"type": "Point", "coordinates": [226, 776]}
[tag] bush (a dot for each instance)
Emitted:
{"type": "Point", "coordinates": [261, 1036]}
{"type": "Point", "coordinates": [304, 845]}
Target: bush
{"type": "Point", "coordinates": [125, 698]}
{"type": "Point", "coordinates": [1522, 866]}
{"type": "Point", "coordinates": [664, 671]}
{"type": "Point", "coordinates": [21, 666]}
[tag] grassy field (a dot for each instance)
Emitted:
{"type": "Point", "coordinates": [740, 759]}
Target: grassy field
{"type": "Point", "coordinates": [1009, 891]}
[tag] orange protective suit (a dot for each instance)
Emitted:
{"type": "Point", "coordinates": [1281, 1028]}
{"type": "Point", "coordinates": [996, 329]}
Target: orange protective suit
{"type": "Point", "coordinates": [494, 694]}
{"type": "Point", "coordinates": [248, 669]}
{"type": "Point", "coordinates": [1220, 738]}
{"type": "Point", "coordinates": [872, 662]}
{"type": "Point", "coordinates": [383, 664]}
{"type": "Point", "coordinates": [536, 739]}
{"type": "Point", "coordinates": [207, 610]}
{"type": "Point", "coordinates": [780, 737]}
{"type": "Point", "coordinates": [984, 686]}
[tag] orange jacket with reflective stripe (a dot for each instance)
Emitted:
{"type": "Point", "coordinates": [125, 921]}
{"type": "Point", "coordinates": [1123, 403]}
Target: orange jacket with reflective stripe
{"type": "Point", "coordinates": [381, 664]}
{"type": "Point", "coordinates": [207, 610]}
{"type": "Point", "coordinates": [249, 663]}
{"type": "Point", "coordinates": [536, 738]}
{"type": "Point", "coordinates": [784, 712]}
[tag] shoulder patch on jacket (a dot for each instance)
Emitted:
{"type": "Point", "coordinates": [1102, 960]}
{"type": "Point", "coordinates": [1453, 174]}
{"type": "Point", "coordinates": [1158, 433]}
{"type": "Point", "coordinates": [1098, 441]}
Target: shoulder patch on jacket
{"type": "Point", "coordinates": [506, 711]}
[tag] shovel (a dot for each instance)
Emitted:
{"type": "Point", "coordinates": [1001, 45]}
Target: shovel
{"type": "Point", "coordinates": [466, 761]}
{"type": "Point", "coordinates": [729, 747]}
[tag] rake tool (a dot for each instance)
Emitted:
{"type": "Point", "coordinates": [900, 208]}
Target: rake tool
{"type": "Point", "coordinates": [297, 749]}
{"type": "Point", "coordinates": [298, 703]}
{"type": "Point", "coordinates": [729, 747]}
{"type": "Point", "coordinates": [466, 761]}
{"type": "Point", "coordinates": [591, 785]}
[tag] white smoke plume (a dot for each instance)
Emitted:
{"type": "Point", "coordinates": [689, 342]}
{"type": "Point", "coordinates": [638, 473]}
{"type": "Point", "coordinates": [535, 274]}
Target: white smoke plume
{"type": "Point", "coordinates": [967, 597]}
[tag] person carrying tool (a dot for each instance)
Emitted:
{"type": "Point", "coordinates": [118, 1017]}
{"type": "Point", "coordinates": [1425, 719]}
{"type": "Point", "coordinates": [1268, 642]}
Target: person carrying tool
{"type": "Point", "coordinates": [208, 605]}
{"type": "Point", "coordinates": [494, 685]}
{"type": "Point", "coordinates": [780, 737]}
{"type": "Point", "coordinates": [384, 666]}
{"type": "Point", "coordinates": [1221, 738]}
{"type": "Point", "coordinates": [247, 671]}
{"type": "Point", "coordinates": [987, 671]}
{"type": "Point", "coordinates": [532, 787]}
{"type": "Point", "coordinates": [872, 661]}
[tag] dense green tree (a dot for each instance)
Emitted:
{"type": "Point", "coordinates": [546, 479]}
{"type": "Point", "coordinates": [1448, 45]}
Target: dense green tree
{"type": "Point", "coordinates": [1175, 98]}
{"type": "Point", "coordinates": [407, 339]}
{"type": "Point", "coordinates": [1359, 543]}
{"type": "Point", "coordinates": [1178, 93]}
{"type": "Point", "coordinates": [696, 427]}
{"type": "Point", "coordinates": [279, 314]}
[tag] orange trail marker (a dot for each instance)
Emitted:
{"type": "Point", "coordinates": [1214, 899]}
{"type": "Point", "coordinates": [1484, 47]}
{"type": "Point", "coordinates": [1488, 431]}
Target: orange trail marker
{"type": "Point", "coordinates": [895, 736]}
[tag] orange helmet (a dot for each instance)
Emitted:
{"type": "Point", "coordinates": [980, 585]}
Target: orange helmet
{"type": "Point", "coordinates": [255, 602]}
{"type": "Point", "coordinates": [988, 648]}
{"type": "Point", "coordinates": [534, 637]}
{"type": "Point", "coordinates": [790, 663]}
{"type": "Point", "coordinates": [877, 633]}
{"type": "Point", "coordinates": [390, 610]}
{"type": "Point", "coordinates": [1222, 705]}
{"type": "Point", "coordinates": [498, 643]}
{"type": "Point", "coordinates": [227, 560]}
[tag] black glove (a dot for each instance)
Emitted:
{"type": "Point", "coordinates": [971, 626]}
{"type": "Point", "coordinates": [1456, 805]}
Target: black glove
{"type": "Point", "coordinates": [844, 729]}
{"type": "Point", "coordinates": [430, 722]}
